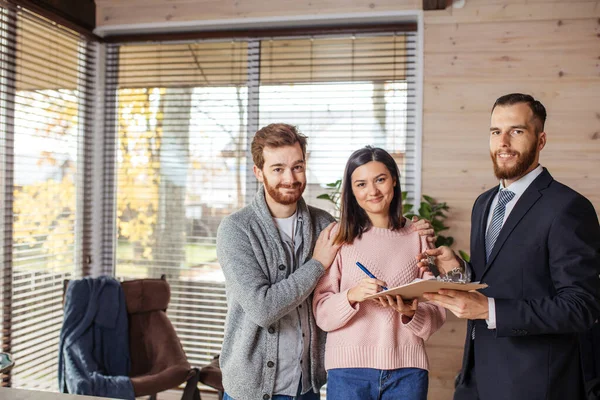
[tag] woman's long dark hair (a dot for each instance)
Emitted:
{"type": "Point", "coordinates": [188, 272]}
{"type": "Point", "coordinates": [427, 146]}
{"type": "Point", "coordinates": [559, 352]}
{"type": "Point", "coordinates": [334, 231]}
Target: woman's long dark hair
{"type": "Point", "coordinates": [354, 220]}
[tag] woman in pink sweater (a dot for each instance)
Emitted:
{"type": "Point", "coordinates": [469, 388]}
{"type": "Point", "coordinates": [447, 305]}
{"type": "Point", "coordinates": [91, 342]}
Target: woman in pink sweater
{"type": "Point", "coordinates": [374, 349]}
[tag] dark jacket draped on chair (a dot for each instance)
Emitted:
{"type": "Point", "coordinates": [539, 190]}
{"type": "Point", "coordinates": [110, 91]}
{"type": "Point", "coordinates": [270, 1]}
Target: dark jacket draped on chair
{"type": "Point", "coordinates": [93, 354]}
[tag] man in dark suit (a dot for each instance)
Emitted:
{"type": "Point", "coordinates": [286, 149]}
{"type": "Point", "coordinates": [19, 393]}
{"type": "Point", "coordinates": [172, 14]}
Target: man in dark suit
{"type": "Point", "coordinates": [536, 243]}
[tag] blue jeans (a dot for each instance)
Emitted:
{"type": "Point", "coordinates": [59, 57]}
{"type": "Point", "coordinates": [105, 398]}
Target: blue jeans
{"type": "Point", "coordinates": [376, 384]}
{"type": "Point", "coordinates": [307, 396]}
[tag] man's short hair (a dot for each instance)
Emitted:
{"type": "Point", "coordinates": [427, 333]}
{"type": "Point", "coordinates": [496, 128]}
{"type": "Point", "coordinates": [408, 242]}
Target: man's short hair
{"type": "Point", "coordinates": [275, 135]}
{"type": "Point", "coordinates": [538, 109]}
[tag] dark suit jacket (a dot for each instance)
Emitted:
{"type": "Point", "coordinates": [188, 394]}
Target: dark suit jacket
{"type": "Point", "coordinates": [544, 276]}
{"type": "Point", "coordinates": [589, 346]}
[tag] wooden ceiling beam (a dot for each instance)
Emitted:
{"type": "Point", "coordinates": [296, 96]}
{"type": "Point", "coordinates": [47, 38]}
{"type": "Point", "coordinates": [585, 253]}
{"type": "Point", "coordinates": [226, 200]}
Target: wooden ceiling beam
{"type": "Point", "coordinates": [429, 5]}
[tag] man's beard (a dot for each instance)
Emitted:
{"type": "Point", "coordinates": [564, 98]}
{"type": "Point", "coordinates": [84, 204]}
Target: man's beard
{"type": "Point", "coordinates": [523, 162]}
{"type": "Point", "coordinates": [285, 199]}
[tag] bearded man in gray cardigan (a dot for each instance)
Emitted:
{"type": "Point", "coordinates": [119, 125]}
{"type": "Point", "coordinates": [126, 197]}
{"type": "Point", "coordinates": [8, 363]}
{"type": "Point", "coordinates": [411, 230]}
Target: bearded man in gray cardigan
{"type": "Point", "coordinates": [273, 253]}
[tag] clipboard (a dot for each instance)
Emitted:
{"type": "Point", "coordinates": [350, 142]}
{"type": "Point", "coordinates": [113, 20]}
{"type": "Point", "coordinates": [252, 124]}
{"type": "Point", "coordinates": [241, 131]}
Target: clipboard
{"type": "Point", "coordinates": [418, 287]}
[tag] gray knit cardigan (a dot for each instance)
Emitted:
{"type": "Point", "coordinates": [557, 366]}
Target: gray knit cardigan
{"type": "Point", "coordinates": [259, 294]}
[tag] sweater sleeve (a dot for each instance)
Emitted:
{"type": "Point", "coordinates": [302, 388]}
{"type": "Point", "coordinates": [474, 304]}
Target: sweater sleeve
{"type": "Point", "coordinates": [264, 302]}
{"type": "Point", "coordinates": [429, 317]}
{"type": "Point", "coordinates": [331, 307]}
{"type": "Point", "coordinates": [427, 320]}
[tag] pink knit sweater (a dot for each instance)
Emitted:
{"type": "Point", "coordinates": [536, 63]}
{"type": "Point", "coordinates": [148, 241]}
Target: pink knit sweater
{"type": "Point", "coordinates": [368, 335]}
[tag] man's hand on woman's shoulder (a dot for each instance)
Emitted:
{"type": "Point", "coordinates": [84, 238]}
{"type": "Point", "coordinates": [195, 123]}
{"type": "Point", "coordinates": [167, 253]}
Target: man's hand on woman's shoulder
{"type": "Point", "coordinates": [424, 228]}
{"type": "Point", "coordinates": [325, 250]}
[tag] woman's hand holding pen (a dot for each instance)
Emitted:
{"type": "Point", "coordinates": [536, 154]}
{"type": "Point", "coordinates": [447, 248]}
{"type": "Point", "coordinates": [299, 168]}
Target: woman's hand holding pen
{"type": "Point", "coordinates": [365, 287]}
{"type": "Point", "coordinates": [407, 310]}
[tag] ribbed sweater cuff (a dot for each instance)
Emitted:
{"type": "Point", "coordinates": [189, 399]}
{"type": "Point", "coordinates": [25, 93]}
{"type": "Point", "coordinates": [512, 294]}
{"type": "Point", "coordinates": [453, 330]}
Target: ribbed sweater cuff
{"type": "Point", "coordinates": [418, 322]}
{"type": "Point", "coordinates": [343, 307]}
{"type": "Point", "coordinates": [318, 268]}
{"type": "Point", "coordinates": [314, 269]}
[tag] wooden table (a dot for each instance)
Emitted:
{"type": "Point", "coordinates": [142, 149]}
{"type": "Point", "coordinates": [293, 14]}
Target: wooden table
{"type": "Point", "coordinates": [22, 394]}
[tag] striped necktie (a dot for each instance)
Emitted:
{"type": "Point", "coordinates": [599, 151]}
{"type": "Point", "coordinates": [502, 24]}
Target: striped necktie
{"type": "Point", "coordinates": [497, 220]}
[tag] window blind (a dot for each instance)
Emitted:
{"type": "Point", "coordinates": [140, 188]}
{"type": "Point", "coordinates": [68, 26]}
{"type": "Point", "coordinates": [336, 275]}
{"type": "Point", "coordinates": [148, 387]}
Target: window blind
{"type": "Point", "coordinates": [184, 114]}
{"type": "Point", "coordinates": [46, 83]}
{"type": "Point", "coordinates": [179, 151]}
{"type": "Point", "coordinates": [344, 93]}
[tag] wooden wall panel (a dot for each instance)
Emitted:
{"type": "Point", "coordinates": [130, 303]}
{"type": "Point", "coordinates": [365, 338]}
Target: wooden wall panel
{"type": "Point", "coordinates": [485, 65]}
{"type": "Point", "coordinates": [445, 350]}
{"type": "Point", "coordinates": [483, 12]}
{"type": "Point", "coordinates": [456, 96]}
{"type": "Point", "coordinates": [559, 35]}
{"type": "Point", "coordinates": [505, 2]}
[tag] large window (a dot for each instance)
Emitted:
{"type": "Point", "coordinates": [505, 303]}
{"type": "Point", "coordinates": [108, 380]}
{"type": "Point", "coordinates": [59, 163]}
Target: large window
{"type": "Point", "coordinates": [184, 115]}
{"type": "Point", "coordinates": [45, 83]}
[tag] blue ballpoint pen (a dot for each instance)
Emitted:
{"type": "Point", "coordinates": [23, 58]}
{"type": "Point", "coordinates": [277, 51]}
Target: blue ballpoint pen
{"type": "Point", "coordinates": [369, 274]}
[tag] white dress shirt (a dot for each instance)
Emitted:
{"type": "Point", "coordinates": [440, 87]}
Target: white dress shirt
{"type": "Point", "coordinates": [518, 188]}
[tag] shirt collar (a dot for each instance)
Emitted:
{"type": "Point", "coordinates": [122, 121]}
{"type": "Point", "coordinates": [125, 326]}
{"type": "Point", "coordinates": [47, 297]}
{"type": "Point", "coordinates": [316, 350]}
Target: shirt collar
{"type": "Point", "coordinates": [520, 185]}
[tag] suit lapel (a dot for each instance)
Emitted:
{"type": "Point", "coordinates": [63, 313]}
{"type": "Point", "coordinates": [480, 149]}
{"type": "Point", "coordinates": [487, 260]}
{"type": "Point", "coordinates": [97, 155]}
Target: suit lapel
{"type": "Point", "coordinates": [531, 195]}
{"type": "Point", "coordinates": [482, 224]}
